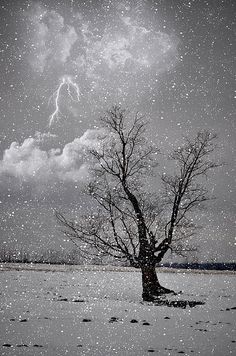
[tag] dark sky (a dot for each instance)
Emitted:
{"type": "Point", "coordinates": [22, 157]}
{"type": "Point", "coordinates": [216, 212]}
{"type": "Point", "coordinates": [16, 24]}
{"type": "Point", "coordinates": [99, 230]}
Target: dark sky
{"type": "Point", "coordinates": [172, 60]}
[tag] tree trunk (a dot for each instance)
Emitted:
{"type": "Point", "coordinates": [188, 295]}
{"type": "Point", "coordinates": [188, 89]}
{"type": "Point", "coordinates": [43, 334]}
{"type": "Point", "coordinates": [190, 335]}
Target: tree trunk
{"type": "Point", "coordinates": [151, 286]}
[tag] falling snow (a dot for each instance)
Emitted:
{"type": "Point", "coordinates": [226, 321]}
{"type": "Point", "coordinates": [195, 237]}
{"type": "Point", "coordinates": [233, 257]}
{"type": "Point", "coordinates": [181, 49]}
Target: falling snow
{"type": "Point", "coordinates": [171, 61]}
{"type": "Point", "coordinates": [62, 65]}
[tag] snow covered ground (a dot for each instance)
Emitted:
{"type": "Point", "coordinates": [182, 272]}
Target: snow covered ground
{"type": "Point", "coordinates": [73, 311]}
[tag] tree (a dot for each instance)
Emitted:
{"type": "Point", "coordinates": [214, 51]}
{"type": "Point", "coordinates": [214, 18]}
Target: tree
{"type": "Point", "coordinates": [129, 222]}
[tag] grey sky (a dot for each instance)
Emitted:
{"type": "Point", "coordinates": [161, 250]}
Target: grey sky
{"type": "Point", "coordinates": [171, 60]}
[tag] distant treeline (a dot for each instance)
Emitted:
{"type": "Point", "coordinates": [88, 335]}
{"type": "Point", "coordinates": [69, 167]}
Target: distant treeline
{"type": "Point", "coordinates": [72, 257]}
{"type": "Point", "coordinates": [47, 256]}
{"type": "Point", "coordinates": [222, 266]}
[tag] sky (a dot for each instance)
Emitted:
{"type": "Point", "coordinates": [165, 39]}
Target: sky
{"type": "Point", "coordinates": [63, 63]}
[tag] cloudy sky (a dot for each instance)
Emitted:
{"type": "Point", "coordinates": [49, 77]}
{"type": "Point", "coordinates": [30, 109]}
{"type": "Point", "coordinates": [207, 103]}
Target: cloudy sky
{"type": "Point", "coordinates": [63, 63]}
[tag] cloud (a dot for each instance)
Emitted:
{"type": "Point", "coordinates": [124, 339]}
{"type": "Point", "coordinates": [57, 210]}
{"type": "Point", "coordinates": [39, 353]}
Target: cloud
{"type": "Point", "coordinates": [113, 57]}
{"type": "Point", "coordinates": [127, 47]}
{"type": "Point", "coordinates": [123, 44]}
{"type": "Point", "coordinates": [29, 163]}
{"type": "Point", "coordinates": [51, 41]}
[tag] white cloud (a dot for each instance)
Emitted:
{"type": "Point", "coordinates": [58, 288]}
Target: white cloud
{"type": "Point", "coordinates": [110, 60]}
{"type": "Point", "coordinates": [129, 47]}
{"type": "Point", "coordinates": [116, 52]}
{"type": "Point", "coordinates": [123, 45]}
{"type": "Point", "coordinates": [28, 162]}
{"type": "Point", "coordinates": [51, 40]}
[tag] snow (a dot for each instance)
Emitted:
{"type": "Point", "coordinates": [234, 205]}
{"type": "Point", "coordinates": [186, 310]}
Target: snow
{"type": "Point", "coordinates": [57, 310]}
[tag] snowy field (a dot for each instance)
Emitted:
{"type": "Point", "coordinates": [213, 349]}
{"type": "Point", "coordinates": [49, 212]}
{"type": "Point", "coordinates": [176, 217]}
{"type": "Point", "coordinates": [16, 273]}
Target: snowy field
{"type": "Point", "coordinates": [71, 311]}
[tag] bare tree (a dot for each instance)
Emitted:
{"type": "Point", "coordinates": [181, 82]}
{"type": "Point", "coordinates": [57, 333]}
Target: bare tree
{"type": "Point", "coordinates": [128, 222]}
{"type": "Point", "coordinates": [185, 190]}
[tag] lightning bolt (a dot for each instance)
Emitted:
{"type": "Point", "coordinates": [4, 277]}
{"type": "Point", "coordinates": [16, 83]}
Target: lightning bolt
{"type": "Point", "coordinates": [72, 90]}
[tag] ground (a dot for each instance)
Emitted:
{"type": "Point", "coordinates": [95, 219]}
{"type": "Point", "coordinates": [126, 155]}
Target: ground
{"type": "Point", "coordinates": [71, 311]}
